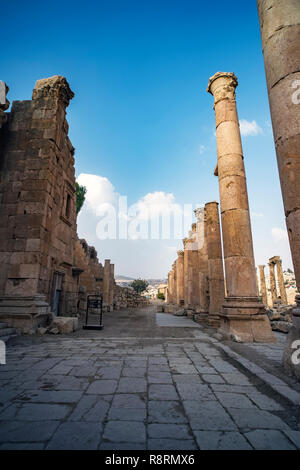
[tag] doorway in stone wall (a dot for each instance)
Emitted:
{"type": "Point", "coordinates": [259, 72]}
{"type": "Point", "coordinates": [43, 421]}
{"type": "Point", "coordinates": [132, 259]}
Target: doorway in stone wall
{"type": "Point", "coordinates": [56, 291]}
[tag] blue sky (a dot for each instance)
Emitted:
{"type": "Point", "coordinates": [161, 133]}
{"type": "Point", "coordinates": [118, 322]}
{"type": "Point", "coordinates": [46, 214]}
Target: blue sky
{"type": "Point", "coordinates": [141, 116]}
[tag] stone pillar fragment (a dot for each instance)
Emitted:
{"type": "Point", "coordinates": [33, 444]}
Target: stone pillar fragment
{"type": "Point", "coordinates": [263, 288]}
{"type": "Point", "coordinates": [281, 282]}
{"type": "Point", "coordinates": [215, 262]}
{"type": "Point", "coordinates": [202, 261]}
{"type": "Point", "coordinates": [174, 277]}
{"type": "Point", "coordinates": [243, 318]}
{"type": "Point", "coordinates": [4, 103]}
{"type": "Point", "coordinates": [280, 29]}
{"type": "Point", "coordinates": [272, 281]}
{"type": "Point", "coordinates": [188, 271]}
{"type": "Point", "coordinates": [112, 286]}
{"type": "Point", "coordinates": [180, 278]}
{"type": "Point", "coordinates": [106, 282]}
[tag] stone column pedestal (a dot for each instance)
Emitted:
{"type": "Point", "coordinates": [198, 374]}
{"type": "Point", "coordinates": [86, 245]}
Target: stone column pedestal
{"type": "Point", "coordinates": [244, 317]}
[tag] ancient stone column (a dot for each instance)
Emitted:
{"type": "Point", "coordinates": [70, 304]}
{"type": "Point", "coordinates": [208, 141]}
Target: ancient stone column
{"type": "Point", "coordinates": [195, 294]}
{"type": "Point", "coordinates": [263, 288]}
{"type": "Point", "coordinates": [112, 286]}
{"type": "Point", "coordinates": [171, 287]}
{"type": "Point", "coordinates": [280, 27]}
{"type": "Point", "coordinates": [202, 261]}
{"type": "Point", "coordinates": [180, 278]}
{"type": "Point", "coordinates": [215, 263]}
{"type": "Point", "coordinates": [188, 271]}
{"type": "Point", "coordinates": [106, 282]}
{"type": "Point", "coordinates": [281, 282]}
{"type": "Point", "coordinates": [272, 281]}
{"type": "Point", "coordinates": [174, 277]}
{"type": "Point", "coordinates": [244, 317]}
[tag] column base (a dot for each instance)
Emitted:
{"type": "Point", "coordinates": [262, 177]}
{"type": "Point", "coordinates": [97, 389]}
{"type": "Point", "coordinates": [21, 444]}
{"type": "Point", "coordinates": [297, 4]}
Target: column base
{"type": "Point", "coordinates": [214, 320]}
{"type": "Point", "coordinates": [244, 320]}
{"type": "Point", "coordinates": [291, 355]}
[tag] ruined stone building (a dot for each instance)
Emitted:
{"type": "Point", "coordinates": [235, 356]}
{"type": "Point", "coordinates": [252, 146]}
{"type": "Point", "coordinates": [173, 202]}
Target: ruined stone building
{"type": "Point", "coordinates": [44, 267]}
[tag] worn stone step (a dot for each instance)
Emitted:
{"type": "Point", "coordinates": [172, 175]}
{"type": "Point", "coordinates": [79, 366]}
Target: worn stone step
{"type": "Point", "coordinates": [7, 332]}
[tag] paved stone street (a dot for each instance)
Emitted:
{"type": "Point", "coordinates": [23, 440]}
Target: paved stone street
{"type": "Point", "coordinates": [147, 381]}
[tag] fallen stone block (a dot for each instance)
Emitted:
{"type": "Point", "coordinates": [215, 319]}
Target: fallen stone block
{"type": "Point", "coordinates": [179, 313]}
{"type": "Point", "coordinates": [282, 326]}
{"type": "Point", "coordinates": [64, 325]}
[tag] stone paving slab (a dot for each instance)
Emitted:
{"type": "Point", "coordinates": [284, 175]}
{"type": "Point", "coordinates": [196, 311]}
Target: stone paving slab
{"type": "Point", "coordinates": [159, 392]}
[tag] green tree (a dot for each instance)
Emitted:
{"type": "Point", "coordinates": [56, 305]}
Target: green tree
{"type": "Point", "coordinates": [80, 196]}
{"type": "Point", "coordinates": [160, 296]}
{"type": "Point", "coordinates": [139, 285]}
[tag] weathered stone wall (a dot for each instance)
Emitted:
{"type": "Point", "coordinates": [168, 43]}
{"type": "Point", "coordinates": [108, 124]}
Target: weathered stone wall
{"type": "Point", "coordinates": [125, 297]}
{"type": "Point", "coordinates": [91, 273]}
{"type": "Point", "coordinates": [37, 204]}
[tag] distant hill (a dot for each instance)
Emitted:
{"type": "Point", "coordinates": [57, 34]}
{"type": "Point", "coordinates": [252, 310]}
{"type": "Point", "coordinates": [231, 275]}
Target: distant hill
{"type": "Point", "coordinates": [124, 278]}
{"type": "Point", "coordinates": [121, 278]}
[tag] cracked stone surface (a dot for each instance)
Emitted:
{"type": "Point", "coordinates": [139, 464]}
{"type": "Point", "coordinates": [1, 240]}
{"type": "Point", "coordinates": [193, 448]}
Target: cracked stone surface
{"type": "Point", "coordinates": [141, 383]}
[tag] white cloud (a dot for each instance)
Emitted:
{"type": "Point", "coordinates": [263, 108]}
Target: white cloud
{"type": "Point", "coordinates": [100, 192]}
{"type": "Point", "coordinates": [250, 128]}
{"type": "Point", "coordinates": [279, 234]}
{"type": "Point", "coordinates": [156, 204]}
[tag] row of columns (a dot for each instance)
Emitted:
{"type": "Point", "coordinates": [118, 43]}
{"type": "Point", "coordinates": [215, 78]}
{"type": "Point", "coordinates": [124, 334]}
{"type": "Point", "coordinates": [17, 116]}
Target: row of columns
{"type": "Point", "coordinates": [275, 261]}
{"type": "Point", "coordinates": [197, 280]}
{"type": "Point", "coordinates": [241, 314]}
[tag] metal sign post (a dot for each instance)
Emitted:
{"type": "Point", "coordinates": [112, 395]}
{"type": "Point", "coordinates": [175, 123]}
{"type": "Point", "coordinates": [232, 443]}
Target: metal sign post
{"type": "Point", "coordinates": [94, 302]}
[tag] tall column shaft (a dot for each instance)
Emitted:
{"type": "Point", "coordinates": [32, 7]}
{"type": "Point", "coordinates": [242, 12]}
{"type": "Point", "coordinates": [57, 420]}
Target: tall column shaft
{"type": "Point", "coordinates": [280, 30]}
{"type": "Point", "coordinates": [106, 281]}
{"type": "Point", "coordinates": [215, 261]}
{"type": "Point", "coordinates": [263, 288]}
{"type": "Point", "coordinates": [174, 270]}
{"type": "Point", "coordinates": [241, 282]}
{"type": "Point", "coordinates": [169, 287]}
{"type": "Point", "coordinates": [180, 278]}
{"type": "Point", "coordinates": [237, 236]}
{"type": "Point", "coordinates": [111, 285]}
{"type": "Point", "coordinates": [185, 270]}
{"type": "Point", "coordinates": [202, 260]}
{"type": "Point", "coordinates": [281, 282]}
{"type": "Point", "coordinates": [273, 282]}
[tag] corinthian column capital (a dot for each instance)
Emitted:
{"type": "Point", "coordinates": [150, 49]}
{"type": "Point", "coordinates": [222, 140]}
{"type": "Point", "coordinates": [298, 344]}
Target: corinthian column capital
{"type": "Point", "coordinates": [222, 85]}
